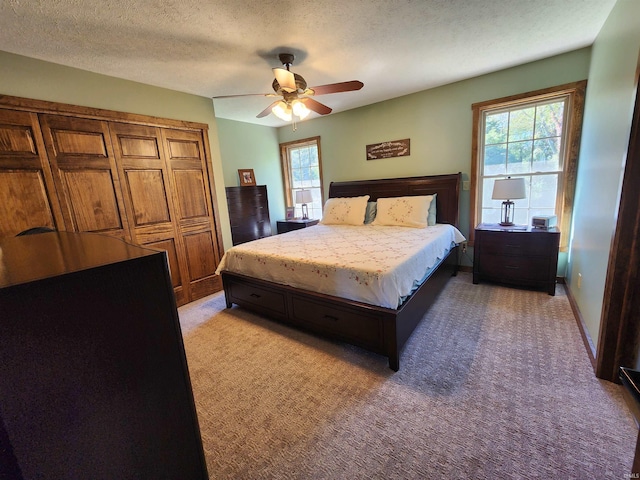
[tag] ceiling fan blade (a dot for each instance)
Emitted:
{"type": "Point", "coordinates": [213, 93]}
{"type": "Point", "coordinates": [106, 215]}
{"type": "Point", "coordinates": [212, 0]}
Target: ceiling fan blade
{"type": "Point", "coordinates": [286, 79]}
{"type": "Point", "coordinates": [316, 106]}
{"type": "Point", "coordinates": [336, 88]}
{"type": "Point", "coordinates": [247, 95]}
{"type": "Point", "coordinates": [267, 110]}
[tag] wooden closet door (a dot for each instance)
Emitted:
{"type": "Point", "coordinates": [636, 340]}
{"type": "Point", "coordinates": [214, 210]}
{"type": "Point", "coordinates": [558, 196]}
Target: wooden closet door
{"type": "Point", "coordinates": [143, 173]}
{"type": "Point", "coordinates": [189, 179]}
{"type": "Point", "coordinates": [85, 174]}
{"type": "Point", "coordinates": [27, 191]}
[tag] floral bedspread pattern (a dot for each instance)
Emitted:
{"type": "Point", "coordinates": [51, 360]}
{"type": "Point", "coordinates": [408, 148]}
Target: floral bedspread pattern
{"type": "Point", "coordinates": [378, 265]}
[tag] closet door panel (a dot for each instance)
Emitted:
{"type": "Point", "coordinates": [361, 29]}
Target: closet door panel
{"type": "Point", "coordinates": [147, 192]}
{"type": "Point", "coordinates": [23, 202]}
{"type": "Point", "coordinates": [27, 191]}
{"type": "Point", "coordinates": [191, 194]}
{"type": "Point", "coordinates": [92, 200]}
{"type": "Point", "coordinates": [17, 140]}
{"type": "Point", "coordinates": [148, 197]}
{"type": "Point", "coordinates": [202, 264]}
{"type": "Point", "coordinates": [186, 162]}
{"type": "Point", "coordinates": [85, 172]}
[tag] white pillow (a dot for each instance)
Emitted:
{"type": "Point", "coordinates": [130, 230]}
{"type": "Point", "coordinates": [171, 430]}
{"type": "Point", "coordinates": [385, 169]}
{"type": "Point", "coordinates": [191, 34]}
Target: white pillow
{"type": "Point", "coordinates": [403, 211]}
{"type": "Point", "coordinates": [344, 211]}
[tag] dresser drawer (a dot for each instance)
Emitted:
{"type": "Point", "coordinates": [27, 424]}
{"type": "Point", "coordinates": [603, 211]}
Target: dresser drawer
{"type": "Point", "coordinates": [257, 229]}
{"type": "Point", "coordinates": [508, 268]}
{"type": "Point", "coordinates": [514, 244]}
{"type": "Point", "coordinates": [339, 322]}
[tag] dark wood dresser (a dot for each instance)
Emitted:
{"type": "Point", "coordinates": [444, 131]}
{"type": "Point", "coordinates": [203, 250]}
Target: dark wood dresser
{"type": "Point", "coordinates": [93, 374]}
{"type": "Point", "coordinates": [521, 256]}
{"type": "Point", "coordinates": [248, 213]}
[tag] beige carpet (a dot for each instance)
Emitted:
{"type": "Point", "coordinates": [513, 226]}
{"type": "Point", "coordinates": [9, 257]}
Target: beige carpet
{"type": "Point", "coordinates": [494, 384]}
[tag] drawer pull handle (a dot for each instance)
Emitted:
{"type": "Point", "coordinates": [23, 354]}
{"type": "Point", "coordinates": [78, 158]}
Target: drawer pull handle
{"type": "Point", "coordinates": [511, 245]}
{"type": "Point", "coordinates": [255, 295]}
{"type": "Point", "coordinates": [512, 267]}
{"type": "Point", "coordinates": [331, 317]}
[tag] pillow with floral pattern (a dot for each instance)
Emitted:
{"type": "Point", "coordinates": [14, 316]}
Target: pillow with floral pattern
{"type": "Point", "coordinates": [403, 211]}
{"type": "Point", "coordinates": [344, 211]}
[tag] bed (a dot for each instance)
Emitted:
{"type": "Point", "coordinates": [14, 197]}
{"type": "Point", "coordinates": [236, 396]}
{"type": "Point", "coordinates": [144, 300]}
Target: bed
{"type": "Point", "coordinates": [380, 329]}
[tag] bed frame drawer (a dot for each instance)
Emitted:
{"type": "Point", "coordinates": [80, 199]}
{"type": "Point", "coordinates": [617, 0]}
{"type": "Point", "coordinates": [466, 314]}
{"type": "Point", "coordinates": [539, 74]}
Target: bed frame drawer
{"type": "Point", "coordinates": [261, 299]}
{"type": "Point", "coordinates": [339, 322]}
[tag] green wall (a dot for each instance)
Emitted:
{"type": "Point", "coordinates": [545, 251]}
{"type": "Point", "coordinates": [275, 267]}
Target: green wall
{"type": "Point", "coordinates": [244, 145]}
{"type": "Point", "coordinates": [30, 78]}
{"type": "Point", "coordinates": [605, 138]}
{"type": "Point", "coordinates": [438, 122]}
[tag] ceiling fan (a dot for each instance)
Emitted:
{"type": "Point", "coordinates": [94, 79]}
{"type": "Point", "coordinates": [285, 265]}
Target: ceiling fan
{"type": "Point", "coordinates": [296, 102]}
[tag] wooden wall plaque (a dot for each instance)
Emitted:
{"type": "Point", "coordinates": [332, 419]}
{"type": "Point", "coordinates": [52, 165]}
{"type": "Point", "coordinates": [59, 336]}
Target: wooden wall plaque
{"type": "Point", "coordinates": [394, 148]}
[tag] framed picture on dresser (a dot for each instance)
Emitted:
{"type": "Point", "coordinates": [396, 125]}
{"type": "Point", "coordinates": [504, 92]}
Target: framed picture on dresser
{"type": "Point", "coordinates": [247, 177]}
{"type": "Point", "coordinates": [291, 212]}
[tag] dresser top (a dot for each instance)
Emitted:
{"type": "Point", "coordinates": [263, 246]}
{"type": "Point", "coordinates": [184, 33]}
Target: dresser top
{"type": "Point", "coordinates": [34, 257]}
{"type": "Point", "coordinates": [496, 227]}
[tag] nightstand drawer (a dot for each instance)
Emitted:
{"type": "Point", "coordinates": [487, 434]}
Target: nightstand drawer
{"type": "Point", "coordinates": [514, 268]}
{"type": "Point", "coordinates": [517, 244]}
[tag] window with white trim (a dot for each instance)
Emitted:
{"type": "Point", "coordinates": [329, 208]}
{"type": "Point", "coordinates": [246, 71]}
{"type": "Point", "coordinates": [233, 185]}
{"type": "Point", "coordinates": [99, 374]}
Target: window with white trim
{"type": "Point", "coordinates": [302, 170]}
{"type": "Point", "coordinates": [532, 136]}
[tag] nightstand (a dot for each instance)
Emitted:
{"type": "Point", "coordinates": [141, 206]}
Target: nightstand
{"type": "Point", "coordinates": [517, 255]}
{"type": "Point", "coordinates": [285, 226]}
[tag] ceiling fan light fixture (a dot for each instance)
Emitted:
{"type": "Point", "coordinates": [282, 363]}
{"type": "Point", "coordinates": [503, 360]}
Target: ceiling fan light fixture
{"type": "Point", "coordinates": [282, 111]}
{"type": "Point", "coordinates": [300, 110]}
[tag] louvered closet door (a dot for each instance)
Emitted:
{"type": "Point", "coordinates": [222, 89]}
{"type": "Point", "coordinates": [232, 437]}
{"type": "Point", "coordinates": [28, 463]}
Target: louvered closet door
{"type": "Point", "coordinates": [85, 173]}
{"type": "Point", "coordinates": [150, 209]}
{"type": "Point", "coordinates": [192, 197]}
{"type": "Point", "coordinates": [27, 191]}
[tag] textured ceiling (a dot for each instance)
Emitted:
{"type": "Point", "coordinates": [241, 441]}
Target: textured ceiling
{"type": "Point", "coordinates": [223, 47]}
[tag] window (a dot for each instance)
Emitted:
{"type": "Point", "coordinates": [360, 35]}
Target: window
{"type": "Point", "coordinates": [302, 170]}
{"type": "Point", "coordinates": [534, 136]}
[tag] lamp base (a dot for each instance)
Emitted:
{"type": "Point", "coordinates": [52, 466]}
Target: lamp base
{"type": "Point", "coordinates": [305, 212]}
{"type": "Point", "coordinates": [507, 213]}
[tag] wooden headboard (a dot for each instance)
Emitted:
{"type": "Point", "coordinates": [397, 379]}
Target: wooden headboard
{"type": "Point", "coordinates": [446, 186]}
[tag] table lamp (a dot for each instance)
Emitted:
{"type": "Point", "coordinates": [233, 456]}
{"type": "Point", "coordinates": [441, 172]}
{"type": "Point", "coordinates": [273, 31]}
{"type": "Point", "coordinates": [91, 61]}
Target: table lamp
{"type": "Point", "coordinates": [304, 197]}
{"type": "Point", "coordinates": [508, 189]}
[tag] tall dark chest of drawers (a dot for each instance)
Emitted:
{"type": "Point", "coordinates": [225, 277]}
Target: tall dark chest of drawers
{"type": "Point", "coordinates": [248, 213]}
{"type": "Point", "coordinates": [94, 380]}
{"type": "Point", "coordinates": [524, 257]}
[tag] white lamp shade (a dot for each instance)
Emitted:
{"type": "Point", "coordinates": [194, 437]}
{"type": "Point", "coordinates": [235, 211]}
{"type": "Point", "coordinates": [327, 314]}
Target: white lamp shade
{"type": "Point", "coordinates": [303, 196]}
{"type": "Point", "coordinates": [509, 189]}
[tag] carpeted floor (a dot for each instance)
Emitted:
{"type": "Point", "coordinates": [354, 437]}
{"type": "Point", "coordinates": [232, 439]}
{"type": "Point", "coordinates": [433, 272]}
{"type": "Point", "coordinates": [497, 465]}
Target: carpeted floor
{"type": "Point", "coordinates": [495, 383]}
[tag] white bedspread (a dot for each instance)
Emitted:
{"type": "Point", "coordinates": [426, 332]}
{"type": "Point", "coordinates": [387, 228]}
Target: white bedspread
{"type": "Point", "coordinates": [378, 265]}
